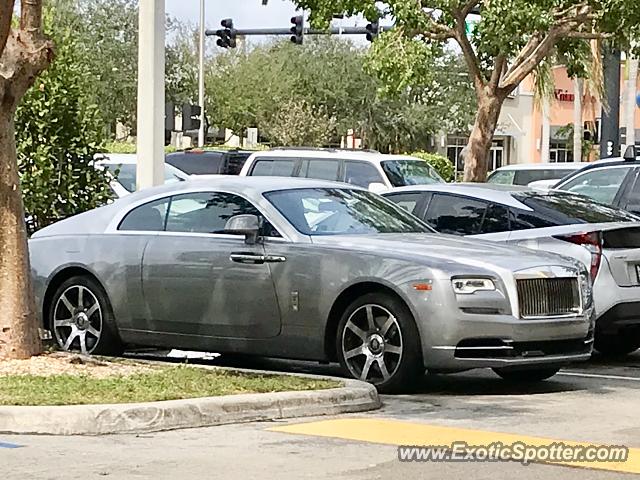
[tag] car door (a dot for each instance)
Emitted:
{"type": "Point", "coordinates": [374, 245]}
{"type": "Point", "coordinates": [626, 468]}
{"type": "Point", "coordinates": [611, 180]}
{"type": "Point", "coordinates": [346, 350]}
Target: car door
{"type": "Point", "coordinates": [320, 169]}
{"type": "Point", "coordinates": [362, 174]}
{"type": "Point", "coordinates": [198, 280]}
{"type": "Point", "coordinates": [601, 184]}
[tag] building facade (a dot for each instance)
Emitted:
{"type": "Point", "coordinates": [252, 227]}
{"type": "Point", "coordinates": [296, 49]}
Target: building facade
{"type": "Point", "coordinates": [519, 135]}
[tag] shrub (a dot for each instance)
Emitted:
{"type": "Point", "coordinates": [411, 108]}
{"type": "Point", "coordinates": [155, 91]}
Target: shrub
{"type": "Point", "coordinates": [441, 164]}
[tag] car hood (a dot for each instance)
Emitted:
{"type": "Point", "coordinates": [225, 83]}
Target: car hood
{"type": "Point", "coordinates": [447, 249]}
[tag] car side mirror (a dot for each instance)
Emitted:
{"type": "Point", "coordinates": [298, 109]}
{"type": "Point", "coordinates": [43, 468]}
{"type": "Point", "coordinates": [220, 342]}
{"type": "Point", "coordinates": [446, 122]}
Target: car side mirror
{"type": "Point", "coordinates": [377, 187]}
{"type": "Point", "coordinates": [247, 225]}
{"type": "Point", "coordinates": [630, 154]}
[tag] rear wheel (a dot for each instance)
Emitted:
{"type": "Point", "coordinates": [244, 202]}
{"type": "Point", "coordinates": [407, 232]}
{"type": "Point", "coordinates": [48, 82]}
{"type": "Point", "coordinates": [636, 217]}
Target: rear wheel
{"type": "Point", "coordinates": [616, 345]}
{"type": "Point", "coordinates": [81, 318]}
{"type": "Point", "coordinates": [378, 342]}
{"type": "Point", "coordinates": [526, 375]}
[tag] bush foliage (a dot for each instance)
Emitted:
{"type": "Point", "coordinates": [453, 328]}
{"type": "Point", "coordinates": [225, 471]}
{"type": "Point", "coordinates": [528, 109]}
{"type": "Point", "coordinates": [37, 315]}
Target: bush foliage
{"type": "Point", "coordinates": [442, 164]}
{"type": "Point", "coordinates": [58, 132]}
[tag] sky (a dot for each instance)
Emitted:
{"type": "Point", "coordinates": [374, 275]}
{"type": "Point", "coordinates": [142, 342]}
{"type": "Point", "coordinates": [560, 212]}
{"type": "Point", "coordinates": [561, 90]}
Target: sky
{"type": "Point", "coordinates": [245, 13]}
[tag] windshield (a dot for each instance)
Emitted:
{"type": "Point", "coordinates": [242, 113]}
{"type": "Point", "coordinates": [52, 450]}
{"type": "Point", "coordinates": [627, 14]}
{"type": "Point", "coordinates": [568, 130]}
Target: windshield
{"type": "Point", "coordinates": [410, 172]}
{"type": "Point", "coordinates": [567, 208]}
{"type": "Point", "coordinates": [336, 211]}
{"type": "Point", "coordinates": [127, 175]}
{"type": "Point", "coordinates": [525, 177]}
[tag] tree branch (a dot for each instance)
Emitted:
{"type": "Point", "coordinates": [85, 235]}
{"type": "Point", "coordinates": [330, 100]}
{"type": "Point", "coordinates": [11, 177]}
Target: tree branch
{"type": "Point", "coordinates": [469, 54]}
{"type": "Point", "coordinates": [527, 65]}
{"type": "Point", "coordinates": [498, 70]}
{"type": "Point", "coordinates": [6, 14]}
{"type": "Point", "coordinates": [31, 16]}
{"type": "Point", "coordinates": [466, 10]}
{"type": "Point", "coordinates": [590, 35]}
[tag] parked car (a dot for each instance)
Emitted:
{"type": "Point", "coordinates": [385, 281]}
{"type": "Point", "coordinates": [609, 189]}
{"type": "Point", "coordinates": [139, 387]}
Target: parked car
{"type": "Point", "coordinates": [122, 170]}
{"type": "Point", "coordinates": [308, 270]}
{"type": "Point", "coordinates": [605, 239]}
{"type": "Point", "coordinates": [527, 173]}
{"type": "Point", "coordinates": [368, 169]}
{"type": "Point", "coordinates": [208, 162]}
{"type": "Point", "coordinates": [614, 181]}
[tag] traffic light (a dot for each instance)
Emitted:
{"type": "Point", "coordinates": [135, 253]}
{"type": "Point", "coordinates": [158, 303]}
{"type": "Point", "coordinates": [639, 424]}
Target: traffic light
{"type": "Point", "coordinates": [190, 117]}
{"type": "Point", "coordinates": [373, 29]}
{"type": "Point", "coordinates": [227, 34]}
{"type": "Point", "coordinates": [297, 31]}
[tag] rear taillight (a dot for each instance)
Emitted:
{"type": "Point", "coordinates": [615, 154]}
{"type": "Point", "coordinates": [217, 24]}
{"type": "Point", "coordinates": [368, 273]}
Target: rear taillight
{"type": "Point", "coordinates": [592, 242]}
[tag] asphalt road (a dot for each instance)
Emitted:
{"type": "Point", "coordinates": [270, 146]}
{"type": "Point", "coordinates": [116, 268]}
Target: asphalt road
{"type": "Point", "coordinates": [593, 403]}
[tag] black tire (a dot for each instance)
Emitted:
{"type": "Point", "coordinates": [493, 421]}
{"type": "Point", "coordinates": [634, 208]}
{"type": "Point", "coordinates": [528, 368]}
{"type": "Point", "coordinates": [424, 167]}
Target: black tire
{"type": "Point", "coordinates": [101, 320]}
{"type": "Point", "coordinates": [529, 375]}
{"type": "Point", "coordinates": [402, 368]}
{"type": "Point", "coordinates": [616, 345]}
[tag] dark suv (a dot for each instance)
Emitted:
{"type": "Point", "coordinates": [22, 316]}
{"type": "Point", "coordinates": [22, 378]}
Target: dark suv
{"type": "Point", "coordinates": [209, 162]}
{"type": "Point", "coordinates": [612, 181]}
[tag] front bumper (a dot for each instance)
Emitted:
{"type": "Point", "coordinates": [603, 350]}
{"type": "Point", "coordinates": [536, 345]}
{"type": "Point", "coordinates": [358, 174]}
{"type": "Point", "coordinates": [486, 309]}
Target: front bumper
{"type": "Point", "coordinates": [455, 340]}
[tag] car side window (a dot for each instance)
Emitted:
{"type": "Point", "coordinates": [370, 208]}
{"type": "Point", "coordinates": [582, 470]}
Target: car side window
{"type": "Point", "coordinates": [503, 177]}
{"type": "Point", "coordinates": [525, 219]}
{"type": "Point", "coordinates": [408, 201]}
{"type": "Point", "coordinates": [320, 169]}
{"type": "Point", "coordinates": [208, 212]}
{"type": "Point", "coordinates": [455, 214]}
{"type": "Point", "coordinates": [361, 174]}
{"type": "Point", "coordinates": [496, 219]}
{"type": "Point", "coordinates": [274, 167]}
{"type": "Point", "coordinates": [149, 217]}
{"type": "Point", "coordinates": [632, 200]}
{"type": "Point", "coordinates": [601, 184]}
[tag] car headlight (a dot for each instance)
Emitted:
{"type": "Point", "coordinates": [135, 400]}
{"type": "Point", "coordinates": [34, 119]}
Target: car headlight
{"type": "Point", "coordinates": [467, 286]}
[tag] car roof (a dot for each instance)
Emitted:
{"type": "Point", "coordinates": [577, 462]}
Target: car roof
{"type": "Point", "coordinates": [485, 191]}
{"type": "Point", "coordinates": [541, 166]}
{"type": "Point", "coordinates": [336, 153]}
{"type": "Point", "coordinates": [116, 158]}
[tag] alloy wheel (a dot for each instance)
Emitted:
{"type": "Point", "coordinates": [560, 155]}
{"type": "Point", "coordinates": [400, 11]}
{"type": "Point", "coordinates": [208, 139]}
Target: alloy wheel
{"type": "Point", "coordinates": [372, 344]}
{"type": "Point", "coordinates": [77, 319]}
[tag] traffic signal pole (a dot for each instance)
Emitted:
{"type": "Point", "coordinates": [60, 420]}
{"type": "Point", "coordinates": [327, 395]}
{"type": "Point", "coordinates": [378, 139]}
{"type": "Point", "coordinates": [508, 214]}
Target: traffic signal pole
{"type": "Point", "coordinates": [610, 119]}
{"type": "Point", "coordinates": [201, 130]}
{"type": "Point", "coordinates": [242, 32]}
{"type": "Point", "coordinates": [151, 106]}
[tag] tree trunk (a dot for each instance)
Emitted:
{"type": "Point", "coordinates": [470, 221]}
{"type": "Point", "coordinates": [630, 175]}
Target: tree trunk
{"type": "Point", "coordinates": [25, 54]}
{"type": "Point", "coordinates": [18, 326]}
{"type": "Point", "coordinates": [577, 120]}
{"type": "Point", "coordinates": [477, 150]}
{"type": "Point", "coordinates": [545, 138]}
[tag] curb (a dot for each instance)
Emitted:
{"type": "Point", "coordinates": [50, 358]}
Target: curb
{"type": "Point", "coordinates": [354, 396]}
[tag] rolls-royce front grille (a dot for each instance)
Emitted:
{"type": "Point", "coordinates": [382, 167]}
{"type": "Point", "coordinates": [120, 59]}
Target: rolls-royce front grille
{"type": "Point", "coordinates": [548, 297]}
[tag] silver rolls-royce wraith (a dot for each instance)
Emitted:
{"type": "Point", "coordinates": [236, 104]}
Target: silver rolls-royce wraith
{"type": "Point", "coordinates": [306, 269]}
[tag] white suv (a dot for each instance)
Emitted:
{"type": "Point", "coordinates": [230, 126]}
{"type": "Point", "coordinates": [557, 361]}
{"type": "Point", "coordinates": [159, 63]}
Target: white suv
{"type": "Point", "coordinates": [372, 170]}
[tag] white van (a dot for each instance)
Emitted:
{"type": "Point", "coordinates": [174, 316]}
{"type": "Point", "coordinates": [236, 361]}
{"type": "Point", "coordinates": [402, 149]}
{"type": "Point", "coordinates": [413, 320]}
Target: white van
{"type": "Point", "coordinates": [372, 170]}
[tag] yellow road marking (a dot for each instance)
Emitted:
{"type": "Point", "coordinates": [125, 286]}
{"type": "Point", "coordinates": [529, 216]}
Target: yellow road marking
{"type": "Point", "coordinates": [393, 432]}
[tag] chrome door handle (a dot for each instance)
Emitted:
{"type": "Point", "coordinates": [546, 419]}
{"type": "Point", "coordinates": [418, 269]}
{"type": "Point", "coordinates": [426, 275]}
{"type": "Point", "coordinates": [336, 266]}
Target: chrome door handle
{"type": "Point", "coordinates": [256, 259]}
{"type": "Point", "coordinates": [250, 258]}
{"type": "Point", "coordinates": [275, 258]}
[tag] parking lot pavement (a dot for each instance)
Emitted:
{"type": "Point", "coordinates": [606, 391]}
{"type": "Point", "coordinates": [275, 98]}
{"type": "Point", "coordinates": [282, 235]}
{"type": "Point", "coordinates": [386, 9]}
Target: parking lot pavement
{"type": "Point", "coordinates": [595, 403]}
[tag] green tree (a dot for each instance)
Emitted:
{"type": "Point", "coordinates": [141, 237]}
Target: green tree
{"type": "Point", "coordinates": [248, 88]}
{"type": "Point", "coordinates": [509, 40]}
{"type": "Point", "coordinates": [58, 132]}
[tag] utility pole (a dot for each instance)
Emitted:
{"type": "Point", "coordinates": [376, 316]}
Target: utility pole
{"type": "Point", "coordinates": [150, 135]}
{"type": "Point", "coordinates": [201, 130]}
{"type": "Point", "coordinates": [610, 128]}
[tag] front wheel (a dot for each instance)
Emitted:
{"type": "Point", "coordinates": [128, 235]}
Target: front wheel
{"type": "Point", "coordinates": [528, 375]}
{"type": "Point", "coordinates": [81, 318]}
{"type": "Point", "coordinates": [378, 342]}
